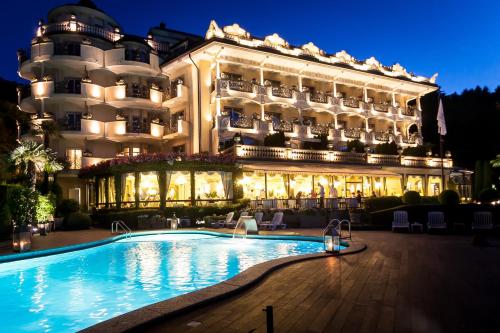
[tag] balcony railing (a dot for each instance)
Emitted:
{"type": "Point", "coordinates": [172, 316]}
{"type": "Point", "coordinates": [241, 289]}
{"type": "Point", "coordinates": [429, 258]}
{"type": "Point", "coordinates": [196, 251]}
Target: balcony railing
{"type": "Point", "coordinates": [352, 133]}
{"type": "Point", "coordinates": [144, 128]}
{"type": "Point", "coordinates": [283, 126]}
{"type": "Point", "coordinates": [138, 91]}
{"type": "Point", "coordinates": [69, 49]}
{"type": "Point", "coordinates": [320, 129]}
{"type": "Point", "coordinates": [137, 55]}
{"type": "Point", "coordinates": [351, 102]}
{"type": "Point", "coordinates": [68, 87]}
{"type": "Point", "coordinates": [381, 136]}
{"type": "Point", "coordinates": [82, 28]}
{"type": "Point", "coordinates": [283, 92]}
{"type": "Point", "coordinates": [381, 107]}
{"type": "Point", "coordinates": [279, 153]}
{"type": "Point", "coordinates": [409, 111]}
{"type": "Point", "coordinates": [319, 98]}
{"type": "Point", "coordinates": [64, 125]}
{"type": "Point", "coordinates": [242, 122]}
{"type": "Point", "coordinates": [240, 85]}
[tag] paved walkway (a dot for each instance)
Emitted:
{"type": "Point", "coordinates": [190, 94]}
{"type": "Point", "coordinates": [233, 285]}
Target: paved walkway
{"type": "Point", "coordinates": [401, 283]}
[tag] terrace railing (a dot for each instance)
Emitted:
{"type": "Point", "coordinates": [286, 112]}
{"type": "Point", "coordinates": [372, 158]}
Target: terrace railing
{"type": "Point", "coordinates": [282, 92]}
{"type": "Point", "coordinates": [319, 97]}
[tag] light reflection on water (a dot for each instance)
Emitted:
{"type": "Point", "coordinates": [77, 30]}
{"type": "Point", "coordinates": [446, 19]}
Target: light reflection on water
{"type": "Point", "coordinates": [71, 291]}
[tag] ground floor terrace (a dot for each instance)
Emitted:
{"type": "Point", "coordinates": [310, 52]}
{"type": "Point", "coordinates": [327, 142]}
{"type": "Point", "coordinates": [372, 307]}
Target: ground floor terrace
{"type": "Point", "coordinates": [400, 283]}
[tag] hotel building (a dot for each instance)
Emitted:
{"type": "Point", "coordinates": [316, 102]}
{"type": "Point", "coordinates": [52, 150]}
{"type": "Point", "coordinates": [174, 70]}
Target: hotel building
{"type": "Point", "coordinates": [115, 95]}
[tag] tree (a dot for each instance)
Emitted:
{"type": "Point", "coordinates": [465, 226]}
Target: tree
{"type": "Point", "coordinates": [33, 158]}
{"type": "Point", "coordinates": [496, 162]}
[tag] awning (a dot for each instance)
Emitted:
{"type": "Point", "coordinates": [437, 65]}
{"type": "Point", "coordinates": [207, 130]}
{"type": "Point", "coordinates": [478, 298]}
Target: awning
{"type": "Point", "coordinates": [316, 168]}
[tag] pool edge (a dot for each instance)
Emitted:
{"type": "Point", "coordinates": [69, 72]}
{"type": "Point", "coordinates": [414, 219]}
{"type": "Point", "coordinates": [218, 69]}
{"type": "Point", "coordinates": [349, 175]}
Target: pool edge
{"type": "Point", "coordinates": [135, 320]}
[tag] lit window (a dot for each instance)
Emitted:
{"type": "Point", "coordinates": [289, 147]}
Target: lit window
{"type": "Point", "coordinates": [74, 157]}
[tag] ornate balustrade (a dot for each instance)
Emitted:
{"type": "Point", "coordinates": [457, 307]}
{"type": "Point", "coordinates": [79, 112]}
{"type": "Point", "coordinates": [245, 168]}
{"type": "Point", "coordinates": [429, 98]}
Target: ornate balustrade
{"type": "Point", "coordinates": [381, 136]}
{"type": "Point", "coordinates": [283, 92]}
{"type": "Point", "coordinates": [352, 133]}
{"type": "Point", "coordinates": [351, 102]}
{"type": "Point", "coordinates": [409, 111]}
{"type": "Point", "coordinates": [381, 107]}
{"type": "Point", "coordinates": [82, 28]}
{"type": "Point", "coordinates": [319, 97]}
{"type": "Point", "coordinates": [320, 129]}
{"type": "Point", "coordinates": [283, 126]}
{"type": "Point", "coordinates": [280, 153]}
{"type": "Point", "coordinates": [242, 122]}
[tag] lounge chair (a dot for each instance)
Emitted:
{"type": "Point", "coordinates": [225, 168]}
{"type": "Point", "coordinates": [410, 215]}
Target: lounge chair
{"type": "Point", "coordinates": [221, 223]}
{"type": "Point", "coordinates": [400, 220]}
{"type": "Point", "coordinates": [435, 220]}
{"type": "Point", "coordinates": [276, 222]}
{"type": "Point", "coordinates": [258, 217]}
{"type": "Point", "coordinates": [232, 224]}
{"type": "Point", "coordinates": [482, 221]}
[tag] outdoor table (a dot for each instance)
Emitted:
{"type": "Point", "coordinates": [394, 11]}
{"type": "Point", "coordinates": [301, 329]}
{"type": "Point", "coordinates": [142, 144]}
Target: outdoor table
{"type": "Point", "coordinates": [417, 225]}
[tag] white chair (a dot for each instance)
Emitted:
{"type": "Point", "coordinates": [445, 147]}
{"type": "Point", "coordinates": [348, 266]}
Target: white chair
{"type": "Point", "coordinates": [258, 217]}
{"type": "Point", "coordinates": [220, 224]}
{"type": "Point", "coordinates": [435, 220]}
{"type": "Point", "coordinates": [276, 222]}
{"type": "Point", "coordinates": [482, 221]}
{"type": "Point", "coordinates": [400, 220]}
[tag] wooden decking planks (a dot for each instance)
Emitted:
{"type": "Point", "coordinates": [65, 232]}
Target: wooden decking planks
{"type": "Point", "coordinates": [402, 283]}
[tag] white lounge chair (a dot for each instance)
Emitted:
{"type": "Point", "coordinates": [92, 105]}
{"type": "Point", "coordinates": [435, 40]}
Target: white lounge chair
{"type": "Point", "coordinates": [435, 220]}
{"type": "Point", "coordinates": [258, 217]}
{"type": "Point", "coordinates": [482, 221]}
{"type": "Point", "coordinates": [400, 220]}
{"type": "Point", "coordinates": [221, 223]}
{"type": "Point", "coordinates": [277, 222]}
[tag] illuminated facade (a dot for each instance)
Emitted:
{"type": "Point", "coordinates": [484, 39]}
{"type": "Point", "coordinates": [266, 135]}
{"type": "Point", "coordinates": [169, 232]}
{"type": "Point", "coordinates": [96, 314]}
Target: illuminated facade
{"type": "Point", "coordinates": [116, 95]}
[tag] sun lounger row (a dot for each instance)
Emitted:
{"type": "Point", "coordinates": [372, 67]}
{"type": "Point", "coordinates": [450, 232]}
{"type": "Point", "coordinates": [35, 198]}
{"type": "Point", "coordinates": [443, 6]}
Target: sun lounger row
{"type": "Point", "coordinates": [435, 220]}
{"type": "Point", "coordinates": [275, 223]}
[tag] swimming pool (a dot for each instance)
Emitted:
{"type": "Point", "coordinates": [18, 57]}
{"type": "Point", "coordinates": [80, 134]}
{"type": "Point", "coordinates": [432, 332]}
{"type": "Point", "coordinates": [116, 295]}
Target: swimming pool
{"type": "Point", "coordinates": [70, 291]}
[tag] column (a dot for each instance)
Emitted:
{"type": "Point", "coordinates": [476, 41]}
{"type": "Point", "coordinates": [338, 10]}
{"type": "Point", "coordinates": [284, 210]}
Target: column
{"type": "Point", "coordinates": [367, 128]}
{"type": "Point", "coordinates": [334, 89]}
{"type": "Point", "coordinates": [300, 83]}
{"type": "Point", "coordinates": [419, 107]}
{"type": "Point", "coordinates": [261, 71]}
{"type": "Point", "coordinates": [393, 95]}
{"type": "Point", "coordinates": [262, 112]}
{"type": "Point", "coordinates": [137, 186]}
{"type": "Point", "coordinates": [336, 123]}
{"type": "Point", "coordinates": [217, 69]}
{"type": "Point", "coordinates": [395, 128]}
{"type": "Point", "coordinates": [365, 95]}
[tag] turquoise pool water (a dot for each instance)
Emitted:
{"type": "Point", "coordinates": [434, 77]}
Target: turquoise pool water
{"type": "Point", "coordinates": [70, 291]}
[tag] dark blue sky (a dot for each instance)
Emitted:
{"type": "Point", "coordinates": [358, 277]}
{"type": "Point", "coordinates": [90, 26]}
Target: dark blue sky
{"type": "Point", "coordinates": [459, 39]}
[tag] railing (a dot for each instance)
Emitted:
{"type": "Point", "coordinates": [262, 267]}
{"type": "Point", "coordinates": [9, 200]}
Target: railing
{"type": "Point", "coordinates": [351, 102]}
{"type": "Point", "coordinates": [242, 122]}
{"type": "Point", "coordinates": [81, 28]}
{"type": "Point", "coordinates": [306, 203]}
{"type": "Point", "coordinates": [66, 126]}
{"type": "Point", "coordinates": [68, 87]}
{"type": "Point", "coordinates": [138, 91]}
{"type": "Point", "coordinates": [140, 129]}
{"type": "Point", "coordinates": [137, 55]}
{"type": "Point", "coordinates": [381, 136]}
{"type": "Point", "coordinates": [283, 126]}
{"type": "Point", "coordinates": [319, 98]}
{"type": "Point", "coordinates": [409, 111]}
{"type": "Point", "coordinates": [381, 107]}
{"type": "Point", "coordinates": [282, 92]}
{"type": "Point", "coordinates": [352, 133]}
{"type": "Point", "coordinates": [240, 85]}
{"type": "Point", "coordinates": [281, 153]}
{"type": "Point", "coordinates": [116, 225]}
{"type": "Point", "coordinates": [320, 129]}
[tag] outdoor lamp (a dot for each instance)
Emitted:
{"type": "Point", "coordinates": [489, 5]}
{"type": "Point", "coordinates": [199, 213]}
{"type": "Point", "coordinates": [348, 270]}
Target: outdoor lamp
{"type": "Point", "coordinates": [174, 222]}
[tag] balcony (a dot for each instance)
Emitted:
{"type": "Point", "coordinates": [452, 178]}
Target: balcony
{"type": "Point", "coordinates": [410, 111]}
{"type": "Point", "coordinates": [282, 92]}
{"type": "Point", "coordinates": [88, 128]}
{"type": "Point", "coordinates": [351, 102]}
{"type": "Point", "coordinates": [178, 94]}
{"type": "Point", "coordinates": [128, 61]}
{"type": "Point", "coordinates": [381, 107]}
{"type": "Point", "coordinates": [70, 89]}
{"type": "Point", "coordinates": [329, 156]}
{"type": "Point", "coordinates": [178, 128]}
{"type": "Point", "coordinates": [318, 97]}
{"type": "Point", "coordinates": [42, 89]}
{"type": "Point", "coordinates": [120, 131]}
{"type": "Point", "coordinates": [81, 28]}
{"type": "Point", "coordinates": [134, 95]}
{"type": "Point", "coordinates": [352, 133]}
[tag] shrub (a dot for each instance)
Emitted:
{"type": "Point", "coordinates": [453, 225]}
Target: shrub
{"type": "Point", "coordinates": [449, 198]}
{"type": "Point", "coordinates": [44, 208]}
{"type": "Point", "coordinates": [22, 205]}
{"type": "Point", "coordinates": [66, 207]}
{"type": "Point", "coordinates": [411, 198]}
{"type": "Point", "coordinates": [388, 148]}
{"type": "Point", "coordinates": [418, 151]}
{"type": "Point", "coordinates": [321, 145]}
{"type": "Point", "coordinates": [56, 190]}
{"type": "Point", "coordinates": [430, 200]}
{"type": "Point", "coordinates": [77, 221]}
{"type": "Point", "coordinates": [275, 140]}
{"type": "Point", "coordinates": [380, 203]}
{"type": "Point", "coordinates": [488, 195]}
{"type": "Point", "coordinates": [355, 145]}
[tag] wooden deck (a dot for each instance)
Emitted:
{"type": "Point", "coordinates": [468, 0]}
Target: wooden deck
{"type": "Point", "coordinates": [402, 283]}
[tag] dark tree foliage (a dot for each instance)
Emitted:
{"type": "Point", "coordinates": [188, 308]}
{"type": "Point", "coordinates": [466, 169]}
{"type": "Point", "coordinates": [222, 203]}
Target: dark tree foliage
{"type": "Point", "coordinates": [356, 146]}
{"type": "Point", "coordinates": [472, 121]}
{"type": "Point", "coordinates": [275, 140]}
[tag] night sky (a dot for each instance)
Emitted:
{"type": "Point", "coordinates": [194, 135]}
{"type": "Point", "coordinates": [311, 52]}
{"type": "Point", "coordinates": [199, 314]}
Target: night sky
{"type": "Point", "coordinates": [460, 39]}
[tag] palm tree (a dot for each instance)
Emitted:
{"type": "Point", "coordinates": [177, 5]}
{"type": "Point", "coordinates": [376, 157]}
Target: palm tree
{"type": "Point", "coordinates": [33, 158]}
{"type": "Point", "coordinates": [496, 162]}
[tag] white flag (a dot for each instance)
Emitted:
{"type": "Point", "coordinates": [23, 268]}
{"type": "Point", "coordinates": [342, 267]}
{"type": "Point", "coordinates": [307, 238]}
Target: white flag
{"type": "Point", "coordinates": [440, 119]}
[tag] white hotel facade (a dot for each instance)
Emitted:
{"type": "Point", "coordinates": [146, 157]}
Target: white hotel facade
{"type": "Point", "coordinates": [114, 94]}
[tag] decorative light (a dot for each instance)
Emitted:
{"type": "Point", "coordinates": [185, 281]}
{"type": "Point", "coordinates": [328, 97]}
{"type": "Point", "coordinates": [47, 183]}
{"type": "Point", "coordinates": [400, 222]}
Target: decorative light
{"type": "Point", "coordinates": [95, 91]}
{"type": "Point", "coordinates": [72, 23]}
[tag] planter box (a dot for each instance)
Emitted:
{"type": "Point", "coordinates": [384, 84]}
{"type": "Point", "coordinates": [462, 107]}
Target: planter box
{"type": "Point", "coordinates": [312, 221]}
{"type": "Point", "coordinates": [21, 241]}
